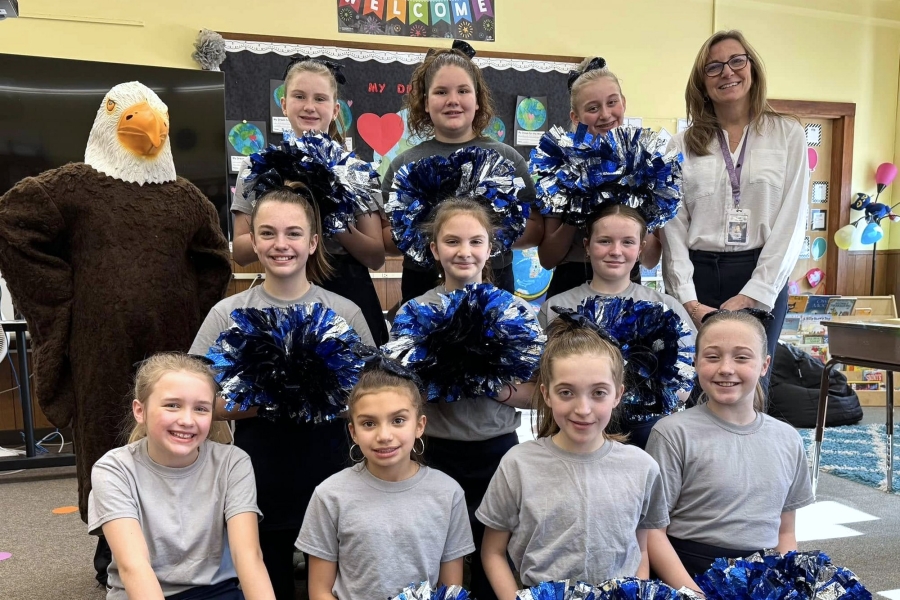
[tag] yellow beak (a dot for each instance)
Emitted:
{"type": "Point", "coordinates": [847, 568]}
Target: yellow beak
{"type": "Point", "coordinates": [142, 129]}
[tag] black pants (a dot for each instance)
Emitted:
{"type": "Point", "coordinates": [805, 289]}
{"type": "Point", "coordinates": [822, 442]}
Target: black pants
{"type": "Point", "coordinates": [472, 465]}
{"type": "Point", "coordinates": [697, 558]}
{"type": "Point", "coordinates": [719, 276]}
{"type": "Point", "coordinates": [102, 558]}
{"type": "Point", "coordinates": [416, 282]}
{"type": "Point", "coordinates": [225, 590]}
{"type": "Point", "coordinates": [278, 554]}
{"type": "Point", "coordinates": [570, 275]}
{"type": "Point", "coordinates": [351, 280]}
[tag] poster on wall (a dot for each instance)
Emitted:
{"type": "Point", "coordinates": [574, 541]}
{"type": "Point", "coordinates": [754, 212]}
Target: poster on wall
{"type": "Point", "coordinates": [276, 95]}
{"type": "Point", "coordinates": [458, 19]}
{"type": "Point", "coordinates": [244, 138]}
{"type": "Point", "coordinates": [531, 120]}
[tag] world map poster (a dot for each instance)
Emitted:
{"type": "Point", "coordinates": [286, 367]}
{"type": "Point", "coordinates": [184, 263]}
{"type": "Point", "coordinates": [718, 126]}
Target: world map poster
{"type": "Point", "coordinates": [457, 19]}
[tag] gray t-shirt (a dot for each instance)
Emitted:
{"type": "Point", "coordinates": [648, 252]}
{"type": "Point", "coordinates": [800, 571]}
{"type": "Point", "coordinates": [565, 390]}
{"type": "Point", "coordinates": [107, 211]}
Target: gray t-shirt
{"type": "Point", "coordinates": [182, 511]}
{"type": "Point", "coordinates": [385, 535]}
{"type": "Point", "coordinates": [574, 516]}
{"type": "Point", "coordinates": [244, 205]}
{"type": "Point", "coordinates": [219, 318]}
{"type": "Point", "coordinates": [433, 147]}
{"type": "Point", "coordinates": [727, 485]}
{"type": "Point", "coordinates": [468, 419]}
{"type": "Point", "coordinates": [572, 298]}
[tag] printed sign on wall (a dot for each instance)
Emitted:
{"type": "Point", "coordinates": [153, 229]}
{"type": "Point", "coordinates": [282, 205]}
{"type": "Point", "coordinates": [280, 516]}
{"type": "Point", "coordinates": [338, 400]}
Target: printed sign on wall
{"type": "Point", "coordinates": [458, 19]}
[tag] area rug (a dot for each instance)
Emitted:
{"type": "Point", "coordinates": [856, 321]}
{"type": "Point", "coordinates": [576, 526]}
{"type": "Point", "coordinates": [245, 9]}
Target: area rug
{"type": "Point", "coordinates": [856, 452]}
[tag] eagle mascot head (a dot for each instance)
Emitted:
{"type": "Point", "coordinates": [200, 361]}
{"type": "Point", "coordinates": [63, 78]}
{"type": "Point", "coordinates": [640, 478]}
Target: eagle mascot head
{"type": "Point", "coordinates": [130, 137]}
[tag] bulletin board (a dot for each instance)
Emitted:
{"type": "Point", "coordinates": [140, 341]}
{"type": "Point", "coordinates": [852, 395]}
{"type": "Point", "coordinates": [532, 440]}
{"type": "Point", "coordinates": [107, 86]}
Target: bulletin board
{"type": "Point", "coordinates": [377, 79]}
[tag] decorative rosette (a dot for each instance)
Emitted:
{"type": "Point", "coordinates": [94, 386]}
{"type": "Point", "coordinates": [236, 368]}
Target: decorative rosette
{"type": "Point", "coordinates": [771, 576]}
{"type": "Point", "coordinates": [342, 184]}
{"type": "Point", "coordinates": [579, 173]}
{"type": "Point", "coordinates": [471, 344]}
{"type": "Point", "coordinates": [424, 592]}
{"type": "Point", "coordinates": [626, 588]}
{"type": "Point", "coordinates": [657, 366]}
{"type": "Point", "coordinates": [479, 173]}
{"type": "Point", "coordinates": [296, 362]}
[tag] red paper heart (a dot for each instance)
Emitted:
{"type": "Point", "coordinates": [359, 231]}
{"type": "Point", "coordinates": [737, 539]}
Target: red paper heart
{"type": "Point", "coordinates": [381, 133]}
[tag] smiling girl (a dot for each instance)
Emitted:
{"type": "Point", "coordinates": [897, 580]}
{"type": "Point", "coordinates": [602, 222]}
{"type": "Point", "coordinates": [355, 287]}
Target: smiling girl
{"type": "Point", "coordinates": [360, 545]}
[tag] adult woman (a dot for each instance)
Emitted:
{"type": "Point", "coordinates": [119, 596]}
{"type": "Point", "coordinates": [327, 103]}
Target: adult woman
{"type": "Point", "coordinates": [737, 237]}
{"type": "Point", "coordinates": [597, 101]}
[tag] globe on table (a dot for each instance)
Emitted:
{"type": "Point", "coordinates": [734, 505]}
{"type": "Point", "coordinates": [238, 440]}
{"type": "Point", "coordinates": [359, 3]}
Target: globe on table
{"type": "Point", "coordinates": [531, 279]}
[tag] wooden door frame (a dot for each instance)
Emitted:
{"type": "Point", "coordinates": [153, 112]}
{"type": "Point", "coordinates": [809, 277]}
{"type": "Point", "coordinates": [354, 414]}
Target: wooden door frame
{"type": "Point", "coordinates": [842, 116]}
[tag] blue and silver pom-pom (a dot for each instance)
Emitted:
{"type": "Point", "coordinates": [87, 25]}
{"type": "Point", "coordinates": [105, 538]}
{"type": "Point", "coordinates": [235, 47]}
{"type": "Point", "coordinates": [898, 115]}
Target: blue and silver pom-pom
{"type": "Point", "coordinates": [772, 576]}
{"type": "Point", "coordinates": [474, 342]}
{"type": "Point", "coordinates": [579, 173]}
{"type": "Point", "coordinates": [293, 363]}
{"type": "Point", "coordinates": [343, 185]}
{"type": "Point", "coordinates": [657, 364]}
{"type": "Point", "coordinates": [424, 591]}
{"type": "Point", "coordinates": [626, 588]}
{"type": "Point", "coordinates": [479, 173]}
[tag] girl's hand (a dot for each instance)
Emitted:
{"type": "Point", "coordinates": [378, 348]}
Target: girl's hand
{"type": "Point", "coordinates": [740, 301]}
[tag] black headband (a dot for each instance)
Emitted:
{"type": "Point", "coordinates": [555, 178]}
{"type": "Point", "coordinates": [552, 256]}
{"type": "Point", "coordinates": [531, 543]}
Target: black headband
{"type": "Point", "coordinates": [763, 316]}
{"type": "Point", "coordinates": [335, 68]}
{"type": "Point", "coordinates": [577, 319]}
{"type": "Point", "coordinates": [598, 62]}
{"type": "Point", "coordinates": [460, 45]}
{"type": "Point", "coordinates": [375, 359]}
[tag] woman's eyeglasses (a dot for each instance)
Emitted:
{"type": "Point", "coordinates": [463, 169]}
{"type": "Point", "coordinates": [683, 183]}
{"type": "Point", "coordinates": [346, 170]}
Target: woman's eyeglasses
{"type": "Point", "coordinates": [735, 63]}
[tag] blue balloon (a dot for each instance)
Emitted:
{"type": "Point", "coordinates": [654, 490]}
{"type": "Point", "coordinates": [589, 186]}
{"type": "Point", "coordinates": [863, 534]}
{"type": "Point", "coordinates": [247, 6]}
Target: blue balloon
{"type": "Point", "coordinates": [872, 233]}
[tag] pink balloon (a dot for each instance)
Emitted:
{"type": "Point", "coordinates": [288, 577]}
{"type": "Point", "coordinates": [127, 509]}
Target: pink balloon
{"type": "Point", "coordinates": [813, 158]}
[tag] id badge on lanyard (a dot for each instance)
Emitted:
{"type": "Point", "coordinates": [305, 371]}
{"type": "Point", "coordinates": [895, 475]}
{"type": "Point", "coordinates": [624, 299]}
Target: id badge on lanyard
{"type": "Point", "coordinates": [737, 219]}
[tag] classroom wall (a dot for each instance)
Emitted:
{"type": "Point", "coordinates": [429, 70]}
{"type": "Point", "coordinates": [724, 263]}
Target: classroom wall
{"type": "Point", "coordinates": [830, 50]}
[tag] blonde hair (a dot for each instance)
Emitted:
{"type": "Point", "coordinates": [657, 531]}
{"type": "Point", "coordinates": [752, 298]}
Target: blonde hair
{"type": "Point", "coordinates": [318, 68]}
{"type": "Point", "coordinates": [565, 339]}
{"type": "Point", "coordinates": [737, 316]}
{"type": "Point", "coordinates": [415, 101]}
{"type": "Point", "coordinates": [153, 369]}
{"type": "Point", "coordinates": [586, 79]}
{"type": "Point", "coordinates": [452, 207]}
{"type": "Point", "coordinates": [700, 110]}
{"type": "Point", "coordinates": [318, 269]}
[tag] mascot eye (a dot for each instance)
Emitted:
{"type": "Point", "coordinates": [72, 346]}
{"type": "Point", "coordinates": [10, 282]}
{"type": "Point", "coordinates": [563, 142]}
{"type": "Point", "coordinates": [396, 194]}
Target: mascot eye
{"type": "Point", "coordinates": [110, 105]}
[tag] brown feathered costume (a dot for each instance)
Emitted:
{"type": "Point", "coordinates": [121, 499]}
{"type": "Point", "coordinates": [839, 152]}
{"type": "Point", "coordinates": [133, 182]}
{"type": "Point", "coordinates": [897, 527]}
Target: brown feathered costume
{"type": "Point", "coordinates": [110, 261]}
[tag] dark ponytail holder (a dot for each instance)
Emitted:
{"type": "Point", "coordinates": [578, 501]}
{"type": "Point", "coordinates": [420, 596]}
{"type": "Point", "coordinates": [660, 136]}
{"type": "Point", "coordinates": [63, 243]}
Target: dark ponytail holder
{"type": "Point", "coordinates": [577, 319]}
{"type": "Point", "coordinates": [336, 69]}
{"type": "Point", "coordinates": [459, 45]}
{"type": "Point", "coordinates": [375, 359]}
{"type": "Point", "coordinates": [598, 62]}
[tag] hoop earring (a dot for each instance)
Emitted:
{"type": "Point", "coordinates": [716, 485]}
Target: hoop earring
{"type": "Point", "coordinates": [362, 456]}
{"type": "Point", "coordinates": [419, 452]}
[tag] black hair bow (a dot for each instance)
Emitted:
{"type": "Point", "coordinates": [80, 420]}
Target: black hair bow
{"type": "Point", "coordinates": [598, 62]}
{"type": "Point", "coordinates": [578, 319]}
{"type": "Point", "coordinates": [460, 45]}
{"type": "Point", "coordinates": [374, 359]}
{"type": "Point", "coordinates": [336, 69]}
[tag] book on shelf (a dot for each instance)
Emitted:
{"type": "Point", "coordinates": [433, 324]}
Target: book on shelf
{"type": "Point", "coordinates": [840, 307]}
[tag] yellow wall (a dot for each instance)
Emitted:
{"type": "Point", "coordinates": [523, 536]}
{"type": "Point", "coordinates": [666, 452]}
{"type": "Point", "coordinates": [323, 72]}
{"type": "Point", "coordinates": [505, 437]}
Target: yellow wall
{"type": "Point", "coordinates": [832, 50]}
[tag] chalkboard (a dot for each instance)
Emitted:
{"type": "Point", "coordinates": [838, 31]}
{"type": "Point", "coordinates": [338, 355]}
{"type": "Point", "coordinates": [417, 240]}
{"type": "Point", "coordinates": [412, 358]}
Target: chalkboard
{"type": "Point", "coordinates": [377, 80]}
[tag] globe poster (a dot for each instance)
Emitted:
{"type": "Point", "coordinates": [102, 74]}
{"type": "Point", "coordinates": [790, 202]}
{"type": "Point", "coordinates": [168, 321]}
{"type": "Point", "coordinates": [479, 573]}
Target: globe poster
{"type": "Point", "coordinates": [243, 139]}
{"type": "Point", "coordinates": [531, 120]}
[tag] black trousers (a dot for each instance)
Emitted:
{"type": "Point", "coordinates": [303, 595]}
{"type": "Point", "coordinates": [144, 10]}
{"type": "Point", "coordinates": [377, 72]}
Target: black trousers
{"type": "Point", "coordinates": [225, 590]}
{"type": "Point", "coordinates": [278, 555]}
{"type": "Point", "coordinates": [472, 465]}
{"type": "Point", "coordinates": [416, 282]}
{"type": "Point", "coordinates": [352, 281]}
{"type": "Point", "coordinates": [570, 275]}
{"type": "Point", "coordinates": [697, 558]}
{"type": "Point", "coordinates": [719, 276]}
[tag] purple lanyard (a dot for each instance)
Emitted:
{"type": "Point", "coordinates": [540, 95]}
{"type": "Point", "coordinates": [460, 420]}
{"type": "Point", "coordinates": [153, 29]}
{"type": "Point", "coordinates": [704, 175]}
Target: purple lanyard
{"type": "Point", "coordinates": [734, 173]}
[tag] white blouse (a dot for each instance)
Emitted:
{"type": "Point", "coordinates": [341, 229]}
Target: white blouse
{"type": "Point", "coordinates": [774, 187]}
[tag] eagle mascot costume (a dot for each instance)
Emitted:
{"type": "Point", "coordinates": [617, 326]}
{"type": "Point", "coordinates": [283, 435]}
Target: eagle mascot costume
{"type": "Point", "coordinates": [110, 261]}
